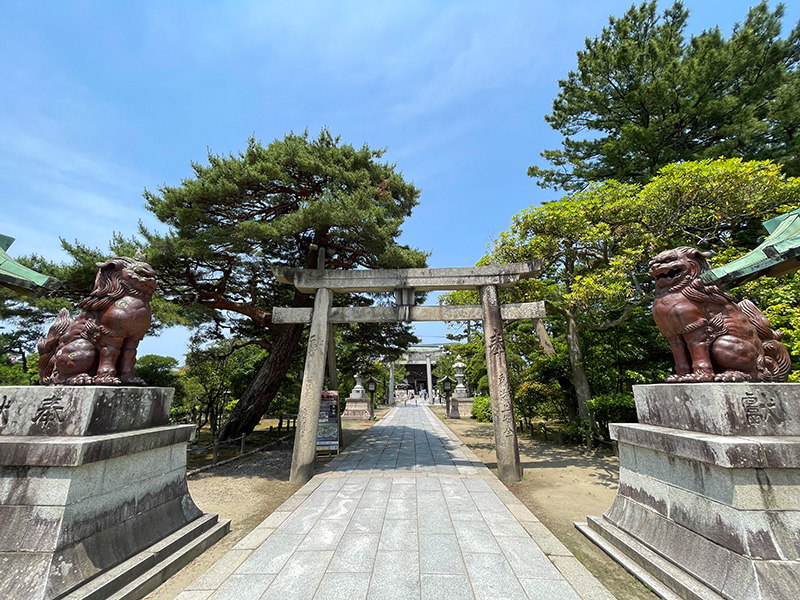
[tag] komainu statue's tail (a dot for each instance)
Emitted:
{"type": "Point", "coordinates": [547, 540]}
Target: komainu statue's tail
{"type": "Point", "coordinates": [775, 364]}
{"type": "Point", "coordinates": [47, 346]}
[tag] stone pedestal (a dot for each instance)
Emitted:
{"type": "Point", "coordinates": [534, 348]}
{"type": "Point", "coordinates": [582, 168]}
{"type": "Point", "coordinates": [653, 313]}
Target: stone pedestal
{"type": "Point", "coordinates": [709, 492]}
{"type": "Point", "coordinates": [92, 479]}
{"type": "Point", "coordinates": [460, 408]}
{"type": "Point", "coordinates": [358, 405]}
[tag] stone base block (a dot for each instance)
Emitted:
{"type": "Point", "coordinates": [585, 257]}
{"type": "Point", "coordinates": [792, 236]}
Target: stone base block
{"type": "Point", "coordinates": [357, 408]}
{"type": "Point", "coordinates": [460, 408]}
{"type": "Point", "coordinates": [145, 571]}
{"type": "Point", "coordinates": [81, 410]}
{"type": "Point", "coordinates": [706, 515]}
{"type": "Point", "coordinates": [75, 506]}
{"type": "Point", "coordinates": [657, 573]}
{"type": "Point", "coordinates": [758, 409]}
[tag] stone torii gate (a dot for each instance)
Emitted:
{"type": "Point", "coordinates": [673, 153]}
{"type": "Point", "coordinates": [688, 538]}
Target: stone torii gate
{"type": "Point", "coordinates": [405, 282]}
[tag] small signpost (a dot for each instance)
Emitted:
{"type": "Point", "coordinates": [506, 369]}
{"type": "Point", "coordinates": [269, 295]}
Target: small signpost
{"type": "Point", "coordinates": [328, 428]}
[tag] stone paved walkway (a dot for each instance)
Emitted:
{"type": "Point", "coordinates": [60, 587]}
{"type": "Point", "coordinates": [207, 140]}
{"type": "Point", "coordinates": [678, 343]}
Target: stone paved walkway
{"type": "Point", "coordinates": [407, 512]}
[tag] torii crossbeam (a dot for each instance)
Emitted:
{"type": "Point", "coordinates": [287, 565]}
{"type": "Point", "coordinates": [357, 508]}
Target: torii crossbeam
{"type": "Point", "coordinates": [405, 282]}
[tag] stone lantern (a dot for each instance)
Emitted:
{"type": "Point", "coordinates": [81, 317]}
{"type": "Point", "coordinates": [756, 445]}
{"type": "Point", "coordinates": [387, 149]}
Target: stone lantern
{"type": "Point", "coordinates": [447, 388]}
{"type": "Point", "coordinates": [461, 389]}
{"type": "Point", "coordinates": [358, 405]}
{"type": "Point", "coordinates": [461, 403]}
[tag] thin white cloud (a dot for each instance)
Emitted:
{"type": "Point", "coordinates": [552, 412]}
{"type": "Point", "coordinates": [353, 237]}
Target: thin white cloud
{"type": "Point", "coordinates": [412, 57]}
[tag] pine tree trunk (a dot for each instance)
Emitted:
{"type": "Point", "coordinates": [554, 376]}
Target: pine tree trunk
{"type": "Point", "coordinates": [258, 396]}
{"type": "Point", "coordinates": [579, 379]}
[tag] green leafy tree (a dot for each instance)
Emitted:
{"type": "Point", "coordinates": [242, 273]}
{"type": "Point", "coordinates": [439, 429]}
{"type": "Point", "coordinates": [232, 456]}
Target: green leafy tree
{"type": "Point", "coordinates": [158, 371]}
{"type": "Point", "coordinates": [15, 371]}
{"type": "Point", "coordinates": [596, 243]}
{"type": "Point", "coordinates": [592, 245]}
{"type": "Point", "coordinates": [208, 381]}
{"type": "Point", "coordinates": [643, 96]}
{"type": "Point", "coordinates": [275, 204]}
{"type": "Point", "coordinates": [163, 371]}
{"type": "Point", "coordinates": [534, 399]}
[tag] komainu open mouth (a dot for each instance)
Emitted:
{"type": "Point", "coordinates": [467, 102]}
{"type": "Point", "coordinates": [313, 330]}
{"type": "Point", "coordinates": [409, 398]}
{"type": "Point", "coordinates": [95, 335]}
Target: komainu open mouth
{"type": "Point", "coordinates": [671, 274]}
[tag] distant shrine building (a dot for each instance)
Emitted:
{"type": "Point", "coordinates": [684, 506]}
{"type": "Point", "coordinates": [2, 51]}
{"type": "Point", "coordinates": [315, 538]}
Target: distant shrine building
{"type": "Point", "coordinates": [419, 362]}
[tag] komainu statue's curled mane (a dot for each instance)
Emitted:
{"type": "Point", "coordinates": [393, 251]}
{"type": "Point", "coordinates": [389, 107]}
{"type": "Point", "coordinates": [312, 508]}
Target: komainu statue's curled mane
{"type": "Point", "coordinates": [99, 346]}
{"type": "Point", "coordinates": [712, 336]}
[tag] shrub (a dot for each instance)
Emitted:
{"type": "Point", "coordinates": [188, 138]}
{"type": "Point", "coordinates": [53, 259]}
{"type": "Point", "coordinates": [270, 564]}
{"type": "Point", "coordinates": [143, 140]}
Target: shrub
{"type": "Point", "coordinates": [482, 409]}
{"type": "Point", "coordinates": [575, 431]}
{"type": "Point", "coordinates": [612, 408]}
{"type": "Point", "coordinates": [536, 399]}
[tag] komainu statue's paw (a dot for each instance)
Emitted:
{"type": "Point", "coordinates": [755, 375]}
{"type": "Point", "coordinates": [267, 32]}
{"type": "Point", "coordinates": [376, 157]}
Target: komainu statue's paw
{"type": "Point", "coordinates": [82, 379]}
{"type": "Point", "coordinates": [697, 377]}
{"type": "Point", "coordinates": [700, 376]}
{"type": "Point", "coordinates": [133, 381]}
{"type": "Point", "coordinates": [732, 376]}
{"type": "Point", "coordinates": [107, 379]}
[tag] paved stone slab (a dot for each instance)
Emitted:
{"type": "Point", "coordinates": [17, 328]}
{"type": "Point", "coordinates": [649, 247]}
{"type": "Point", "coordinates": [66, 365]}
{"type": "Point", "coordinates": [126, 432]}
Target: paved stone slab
{"type": "Point", "coordinates": [394, 518]}
{"type": "Point", "coordinates": [344, 586]}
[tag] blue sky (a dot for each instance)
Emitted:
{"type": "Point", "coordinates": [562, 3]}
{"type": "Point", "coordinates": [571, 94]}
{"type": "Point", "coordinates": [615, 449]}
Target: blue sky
{"type": "Point", "coordinates": [103, 99]}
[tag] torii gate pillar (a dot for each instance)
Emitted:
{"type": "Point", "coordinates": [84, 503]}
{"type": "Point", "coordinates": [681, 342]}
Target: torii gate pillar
{"type": "Point", "coordinates": [305, 437]}
{"type": "Point", "coordinates": [506, 446]}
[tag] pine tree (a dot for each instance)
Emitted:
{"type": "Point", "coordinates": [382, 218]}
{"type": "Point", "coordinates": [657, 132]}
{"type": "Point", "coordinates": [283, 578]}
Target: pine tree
{"type": "Point", "coordinates": [644, 96]}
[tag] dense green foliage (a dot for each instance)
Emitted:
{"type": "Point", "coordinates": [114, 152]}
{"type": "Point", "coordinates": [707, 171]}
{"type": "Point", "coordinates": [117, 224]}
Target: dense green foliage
{"type": "Point", "coordinates": [16, 368]}
{"type": "Point", "coordinates": [482, 409]}
{"type": "Point", "coordinates": [158, 371]}
{"type": "Point", "coordinates": [537, 400]}
{"type": "Point", "coordinates": [612, 408]}
{"type": "Point", "coordinates": [643, 96]}
{"type": "Point", "coordinates": [162, 371]}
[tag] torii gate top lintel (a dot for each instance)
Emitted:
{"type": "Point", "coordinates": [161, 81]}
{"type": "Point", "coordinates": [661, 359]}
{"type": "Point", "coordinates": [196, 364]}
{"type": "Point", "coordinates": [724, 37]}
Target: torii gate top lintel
{"type": "Point", "coordinates": [423, 280]}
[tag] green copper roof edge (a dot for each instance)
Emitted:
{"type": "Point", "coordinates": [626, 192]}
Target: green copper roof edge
{"type": "Point", "coordinates": [5, 241]}
{"type": "Point", "coordinates": [19, 277]}
{"type": "Point", "coordinates": [774, 256]}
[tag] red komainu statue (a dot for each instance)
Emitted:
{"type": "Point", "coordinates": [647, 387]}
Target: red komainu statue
{"type": "Point", "coordinates": [712, 336]}
{"type": "Point", "coordinates": [99, 347]}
